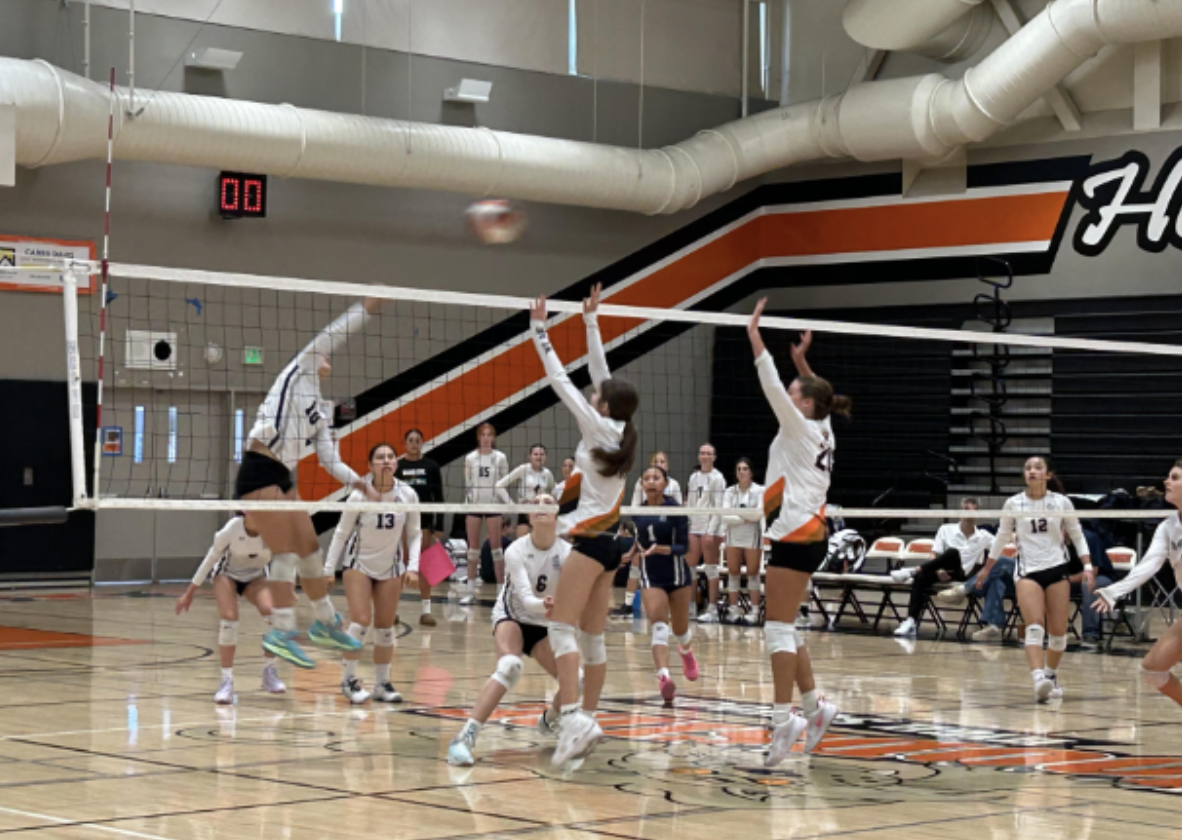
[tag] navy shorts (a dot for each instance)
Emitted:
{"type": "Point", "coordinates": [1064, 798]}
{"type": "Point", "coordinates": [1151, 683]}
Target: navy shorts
{"type": "Point", "coordinates": [663, 571]}
{"type": "Point", "coordinates": [531, 635]}
{"type": "Point", "coordinates": [603, 549]}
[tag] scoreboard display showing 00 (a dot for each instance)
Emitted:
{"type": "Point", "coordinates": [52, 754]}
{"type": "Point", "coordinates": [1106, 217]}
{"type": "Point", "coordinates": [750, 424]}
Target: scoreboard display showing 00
{"type": "Point", "coordinates": [242, 196]}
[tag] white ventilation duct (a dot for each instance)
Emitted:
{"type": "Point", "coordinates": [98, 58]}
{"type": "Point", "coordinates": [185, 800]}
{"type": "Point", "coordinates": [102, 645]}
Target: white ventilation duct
{"type": "Point", "coordinates": [61, 117]}
{"type": "Point", "coordinates": [904, 25]}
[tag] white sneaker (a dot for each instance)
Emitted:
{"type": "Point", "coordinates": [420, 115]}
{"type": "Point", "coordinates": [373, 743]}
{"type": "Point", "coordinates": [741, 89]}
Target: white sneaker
{"type": "Point", "coordinates": [468, 600]}
{"type": "Point", "coordinates": [907, 628]}
{"type": "Point", "coordinates": [386, 693]}
{"type": "Point", "coordinates": [819, 724]}
{"type": "Point", "coordinates": [784, 737]}
{"type": "Point", "coordinates": [1057, 691]}
{"type": "Point", "coordinates": [353, 690]}
{"type": "Point", "coordinates": [1043, 689]}
{"type": "Point", "coordinates": [578, 734]}
{"type": "Point", "coordinates": [988, 633]}
{"type": "Point", "coordinates": [225, 695]}
{"type": "Point", "coordinates": [459, 751]}
{"type": "Point", "coordinates": [710, 616]}
{"type": "Point", "coordinates": [546, 726]}
{"type": "Point", "coordinates": [901, 575]}
{"type": "Point", "coordinates": [271, 681]}
{"type": "Point", "coordinates": [953, 595]}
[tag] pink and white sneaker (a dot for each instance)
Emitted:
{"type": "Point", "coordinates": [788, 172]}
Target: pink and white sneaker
{"type": "Point", "coordinates": [689, 664]}
{"type": "Point", "coordinates": [819, 724]}
{"type": "Point", "coordinates": [668, 688]}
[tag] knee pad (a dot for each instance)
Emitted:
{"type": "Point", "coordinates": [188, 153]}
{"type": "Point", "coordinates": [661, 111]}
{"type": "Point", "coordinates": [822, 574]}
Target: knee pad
{"type": "Point", "coordinates": [1057, 643]}
{"type": "Point", "coordinates": [593, 648]}
{"type": "Point", "coordinates": [1155, 679]}
{"type": "Point", "coordinates": [660, 634]}
{"type": "Point", "coordinates": [634, 571]}
{"type": "Point", "coordinates": [358, 632]}
{"type": "Point", "coordinates": [498, 555]}
{"type": "Point", "coordinates": [685, 638]}
{"type": "Point", "coordinates": [312, 566]}
{"type": "Point", "coordinates": [383, 637]}
{"type": "Point", "coordinates": [1034, 635]}
{"type": "Point", "coordinates": [712, 572]}
{"type": "Point", "coordinates": [732, 583]}
{"type": "Point", "coordinates": [474, 555]}
{"type": "Point", "coordinates": [780, 637]}
{"type": "Point", "coordinates": [508, 671]}
{"type": "Point", "coordinates": [228, 633]}
{"type": "Point", "coordinates": [563, 640]}
{"type": "Point", "coordinates": [283, 567]}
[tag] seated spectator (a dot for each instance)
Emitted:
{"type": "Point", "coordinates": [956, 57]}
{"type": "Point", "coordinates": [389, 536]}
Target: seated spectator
{"type": "Point", "coordinates": [958, 552]}
{"type": "Point", "coordinates": [994, 588]}
{"type": "Point", "coordinates": [1105, 575]}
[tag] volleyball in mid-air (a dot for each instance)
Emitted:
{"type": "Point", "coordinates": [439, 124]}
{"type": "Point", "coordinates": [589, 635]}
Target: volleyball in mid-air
{"type": "Point", "coordinates": [496, 222]}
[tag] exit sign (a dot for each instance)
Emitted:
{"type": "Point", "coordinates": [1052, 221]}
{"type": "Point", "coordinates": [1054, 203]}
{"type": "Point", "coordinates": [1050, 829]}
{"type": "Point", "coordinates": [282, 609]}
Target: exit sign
{"type": "Point", "coordinates": [253, 356]}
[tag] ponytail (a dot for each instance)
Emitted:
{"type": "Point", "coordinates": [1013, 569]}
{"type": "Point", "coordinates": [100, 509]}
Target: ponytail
{"type": "Point", "coordinates": [825, 401]}
{"type": "Point", "coordinates": [622, 401]}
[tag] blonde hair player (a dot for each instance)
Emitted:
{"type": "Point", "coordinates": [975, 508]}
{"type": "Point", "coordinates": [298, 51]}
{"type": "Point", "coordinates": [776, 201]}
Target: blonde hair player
{"type": "Point", "coordinates": [744, 542]}
{"type": "Point", "coordinates": [292, 414]}
{"type": "Point", "coordinates": [484, 467]}
{"type": "Point", "coordinates": [1167, 545]}
{"type": "Point", "coordinates": [800, 463]}
{"type": "Point", "coordinates": [237, 560]}
{"type": "Point", "coordinates": [605, 453]}
{"type": "Point", "coordinates": [529, 480]}
{"type": "Point", "coordinates": [371, 546]}
{"type": "Point", "coordinates": [705, 489]}
{"type": "Point", "coordinates": [520, 618]}
{"type": "Point", "coordinates": [673, 491]}
{"type": "Point", "coordinates": [1040, 578]}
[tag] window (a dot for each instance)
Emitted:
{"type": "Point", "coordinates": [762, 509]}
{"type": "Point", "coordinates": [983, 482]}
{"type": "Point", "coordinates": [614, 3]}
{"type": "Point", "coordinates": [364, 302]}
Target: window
{"type": "Point", "coordinates": [139, 434]}
{"type": "Point", "coordinates": [172, 434]}
{"type": "Point", "coordinates": [573, 36]}
{"type": "Point", "coordinates": [239, 433]}
{"type": "Point", "coordinates": [338, 12]}
{"type": "Point", "coordinates": [764, 63]}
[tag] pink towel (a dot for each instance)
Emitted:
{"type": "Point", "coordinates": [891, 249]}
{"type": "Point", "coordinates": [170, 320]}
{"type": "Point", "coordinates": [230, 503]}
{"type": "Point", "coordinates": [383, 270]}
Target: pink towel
{"type": "Point", "coordinates": [435, 564]}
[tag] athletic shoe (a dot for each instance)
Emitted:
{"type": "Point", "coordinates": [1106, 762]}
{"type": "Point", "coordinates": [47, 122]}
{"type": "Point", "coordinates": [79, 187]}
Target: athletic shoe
{"type": "Point", "coordinates": [282, 643]}
{"type": "Point", "coordinates": [1057, 691]}
{"type": "Point", "coordinates": [751, 619]}
{"type": "Point", "coordinates": [225, 695]}
{"type": "Point", "coordinates": [578, 733]}
{"type": "Point", "coordinates": [271, 681]}
{"type": "Point", "coordinates": [819, 724]}
{"type": "Point", "coordinates": [710, 616]}
{"type": "Point", "coordinates": [353, 691]}
{"type": "Point", "coordinates": [784, 737]}
{"type": "Point", "coordinates": [622, 611]}
{"type": "Point", "coordinates": [1089, 643]}
{"type": "Point", "coordinates": [322, 635]}
{"type": "Point", "coordinates": [689, 664]}
{"type": "Point", "coordinates": [459, 751]}
{"type": "Point", "coordinates": [468, 600]}
{"type": "Point", "coordinates": [1043, 688]}
{"type": "Point", "coordinates": [386, 693]}
{"type": "Point", "coordinates": [901, 575]}
{"type": "Point", "coordinates": [803, 621]}
{"type": "Point", "coordinates": [953, 595]}
{"type": "Point", "coordinates": [427, 620]}
{"type": "Point", "coordinates": [988, 633]}
{"type": "Point", "coordinates": [667, 688]}
{"type": "Point", "coordinates": [907, 628]}
{"type": "Point", "coordinates": [546, 726]}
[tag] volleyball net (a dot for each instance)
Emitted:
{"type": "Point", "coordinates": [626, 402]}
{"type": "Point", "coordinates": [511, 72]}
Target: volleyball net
{"type": "Point", "coordinates": [943, 412]}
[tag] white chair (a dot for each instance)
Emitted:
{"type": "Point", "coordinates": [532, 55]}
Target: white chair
{"type": "Point", "coordinates": [916, 552]}
{"type": "Point", "coordinates": [1122, 559]}
{"type": "Point", "coordinates": [883, 555]}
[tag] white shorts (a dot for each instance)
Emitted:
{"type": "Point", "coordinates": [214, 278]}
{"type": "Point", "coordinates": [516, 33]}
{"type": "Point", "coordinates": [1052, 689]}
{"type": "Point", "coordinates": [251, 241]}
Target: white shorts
{"type": "Point", "coordinates": [744, 536]}
{"type": "Point", "coordinates": [699, 526]}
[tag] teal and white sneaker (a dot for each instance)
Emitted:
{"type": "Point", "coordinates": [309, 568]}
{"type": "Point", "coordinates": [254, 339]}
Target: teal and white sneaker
{"type": "Point", "coordinates": [459, 752]}
{"type": "Point", "coordinates": [282, 643]}
{"type": "Point", "coordinates": [322, 635]}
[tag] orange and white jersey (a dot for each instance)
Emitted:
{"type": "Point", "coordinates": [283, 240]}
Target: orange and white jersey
{"type": "Point", "coordinates": [599, 497]}
{"type": "Point", "coordinates": [800, 463]}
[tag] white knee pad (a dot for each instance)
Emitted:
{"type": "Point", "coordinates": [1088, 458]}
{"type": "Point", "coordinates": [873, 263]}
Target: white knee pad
{"type": "Point", "coordinates": [563, 640]}
{"type": "Point", "coordinates": [1034, 635]}
{"type": "Point", "coordinates": [498, 555]}
{"type": "Point", "coordinates": [732, 583]}
{"type": "Point", "coordinates": [660, 634]}
{"type": "Point", "coordinates": [593, 648]}
{"type": "Point", "coordinates": [1057, 643]}
{"type": "Point", "coordinates": [312, 566]}
{"type": "Point", "coordinates": [780, 637]}
{"type": "Point", "coordinates": [634, 571]}
{"type": "Point", "coordinates": [228, 633]}
{"type": "Point", "coordinates": [685, 638]}
{"type": "Point", "coordinates": [358, 632]}
{"type": "Point", "coordinates": [383, 637]}
{"type": "Point", "coordinates": [712, 572]}
{"type": "Point", "coordinates": [474, 555]}
{"type": "Point", "coordinates": [283, 567]}
{"type": "Point", "coordinates": [1155, 679]}
{"type": "Point", "coordinates": [508, 671]}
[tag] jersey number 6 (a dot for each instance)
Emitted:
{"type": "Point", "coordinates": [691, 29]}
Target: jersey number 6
{"type": "Point", "coordinates": [541, 585]}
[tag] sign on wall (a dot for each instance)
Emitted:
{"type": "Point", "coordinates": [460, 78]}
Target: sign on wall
{"type": "Point", "coordinates": [26, 251]}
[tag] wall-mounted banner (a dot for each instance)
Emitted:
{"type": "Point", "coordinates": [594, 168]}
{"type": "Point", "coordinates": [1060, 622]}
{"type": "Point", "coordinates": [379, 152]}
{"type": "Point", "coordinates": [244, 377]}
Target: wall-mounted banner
{"type": "Point", "coordinates": [1113, 194]}
{"type": "Point", "coordinates": [29, 252]}
{"type": "Point", "coordinates": [112, 439]}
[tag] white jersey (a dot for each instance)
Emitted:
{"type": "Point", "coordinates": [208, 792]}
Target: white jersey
{"type": "Point", "coordinates": [740, 531]}
{"type": "Point", "coordinates": [1041, 540]}
{"type": "Point", "coordinates": [705, 490]}
{"type": "Point", "coordinates": [527, 484]}
{"type": "Point", "coordinates": [372, 542]}
{"type": "Point", "coordinates": [1166, 545]}
{"type": "Point", "coordinates": [235, 554]}
{"type": "Point", "coordinates": [971, 548]}
{"type": "Point", "coordinates": [672, 491]}
{"type": "Point", "coordinates": [531, 576]}
{"type": "Point", "coordinates": [598, 497]}
{"type": "Point", "coordinates": [481, 474]}
{"type": "Point", "coordinates": [800, 463]}
{"type": "Point", "coordinates": [293, 417]}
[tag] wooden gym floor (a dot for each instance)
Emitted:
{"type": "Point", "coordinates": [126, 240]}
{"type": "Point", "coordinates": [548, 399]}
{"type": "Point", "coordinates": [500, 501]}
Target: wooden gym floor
{"type": "Point", "coordinates": [109, 731]}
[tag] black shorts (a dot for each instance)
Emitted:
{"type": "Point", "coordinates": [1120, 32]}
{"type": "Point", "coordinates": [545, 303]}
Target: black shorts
{"type": "Point", "coordinates": [523, 519]}
{"type": "Point", "coordinates": [431, 522]}
{"type": "Point", "coordinates": [661, 571]}
{"type": "Point", "coordinates": [531, 635]}
{"type": "Point", "coordinates": [603, 549]}
{"type": "Point", "coordinates": [1047, 577]}
{"type": "Point", "coordinates": [800, 557]}
{"type": "Point", "coordinates": [258, 472]}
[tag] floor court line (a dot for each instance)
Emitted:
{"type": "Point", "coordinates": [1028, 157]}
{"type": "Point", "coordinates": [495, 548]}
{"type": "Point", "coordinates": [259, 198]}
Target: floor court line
{"type": "Point", "coordinates": [59, 822]}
